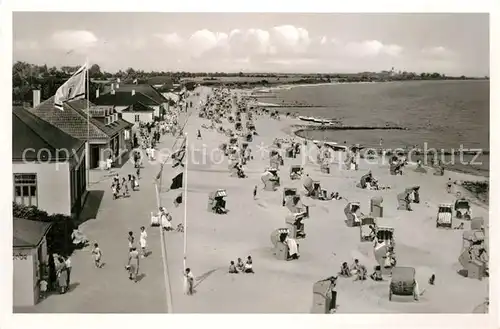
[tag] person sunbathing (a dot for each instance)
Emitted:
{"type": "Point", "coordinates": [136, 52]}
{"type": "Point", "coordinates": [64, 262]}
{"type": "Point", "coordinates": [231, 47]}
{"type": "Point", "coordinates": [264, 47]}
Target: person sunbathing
{"type": "Point", "coordinates": [361, 273]}
{"type": "Point", "coordinates": [232, 268]}
{"type": "Point", "coordinates": [355, 267]}
{"type": "Point", "coordinates": [335, 196]}
{"type": "Point", "coordinates": [249, 265]}
{"type": "Point", "coordinates": [373, 232]}
{"type": "Point", "coordinates": [240, 266]}
{"type": "Point", "coordinates": [377, 274]}
{"type": "Point", "coordinates": [344, 270]}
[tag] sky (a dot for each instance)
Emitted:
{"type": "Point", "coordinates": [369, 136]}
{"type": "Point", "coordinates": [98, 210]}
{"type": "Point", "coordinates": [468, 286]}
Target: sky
{"type": "Point", "coordinates": [453, 44]}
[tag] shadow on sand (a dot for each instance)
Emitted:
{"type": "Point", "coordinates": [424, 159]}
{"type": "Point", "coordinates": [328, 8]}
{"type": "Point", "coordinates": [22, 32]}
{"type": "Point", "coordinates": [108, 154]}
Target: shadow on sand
{"type": "Point", "coordinates": [91, 206]}
{"type": "Point", "coordinates": [204, 276]}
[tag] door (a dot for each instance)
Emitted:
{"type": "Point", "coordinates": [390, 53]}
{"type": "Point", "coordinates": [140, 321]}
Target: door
{"type": "Point", "coordinates": [94, 156]}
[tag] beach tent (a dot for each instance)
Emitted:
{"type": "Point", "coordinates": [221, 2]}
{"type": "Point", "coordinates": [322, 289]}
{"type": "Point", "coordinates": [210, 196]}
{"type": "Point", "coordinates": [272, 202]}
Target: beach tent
{"type": "Point", "coordinates": [284, 247]}
{"type": "Point", "coordinates": [404, 200]}
{"type": "Point", "coordinates": [376, 208]}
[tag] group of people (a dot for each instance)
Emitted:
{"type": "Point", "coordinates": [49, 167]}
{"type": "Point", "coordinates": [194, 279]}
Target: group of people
{"type": "Point", "coordinates": [58, 275]}
{"type": "Point", "coordinates": [246, 267]}
{"type": "Point", "coordinates": [357, 269]}
{"type": "Point", "coordinates": [121, 188]}
{"type": "Point", "coordinates": [133, 253]}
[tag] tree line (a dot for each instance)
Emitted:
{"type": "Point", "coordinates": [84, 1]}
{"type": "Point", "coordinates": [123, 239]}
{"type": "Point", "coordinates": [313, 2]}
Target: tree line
{"type": "Point", "coordinates": [26, 77]}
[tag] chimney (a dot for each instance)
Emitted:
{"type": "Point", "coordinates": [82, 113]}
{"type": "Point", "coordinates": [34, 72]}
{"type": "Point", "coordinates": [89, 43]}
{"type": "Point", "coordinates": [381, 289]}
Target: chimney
{"type": "Point", "coordinates": [36, 98]}
{"type": "Point", "coordinates": [97, 93]}
{"type": "Point", "coordinates": [133, 92]}
{"type": "Point", "coordinates": [112, 91]}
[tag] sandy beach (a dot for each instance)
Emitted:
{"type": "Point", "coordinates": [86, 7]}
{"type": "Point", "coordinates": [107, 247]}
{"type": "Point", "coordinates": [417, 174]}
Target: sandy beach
{"type": "Point", "coordinates": [286, 287]}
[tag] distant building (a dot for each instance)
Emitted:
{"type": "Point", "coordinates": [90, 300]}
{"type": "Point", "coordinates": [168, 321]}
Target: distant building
{"type": "Point", "coordinates": [107, 132]}
{"type": "Point", "coordinates": [29, 259]}
{"type": "Point", "coordinates": [138, 113]}
{"type": "Point", "coordinates": [122, 96]}
{"type": "Point", "coordinates": [48, 166]}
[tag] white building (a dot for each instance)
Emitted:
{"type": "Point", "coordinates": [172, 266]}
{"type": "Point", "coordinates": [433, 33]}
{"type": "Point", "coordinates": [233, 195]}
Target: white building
{"type": "Point", "coordinates": [138, 113]}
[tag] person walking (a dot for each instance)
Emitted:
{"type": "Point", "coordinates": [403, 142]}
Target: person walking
{"type": "Point", "coordinates": [133, 264]}
{"type": "Point", "coordinates": [255, 192]}
{"type": "Point", "coordinates": [62, 276]}
{"type": "Point", "coordinates": [131, 240]}
{"type": "Point", "coordinates": [97, 254]}
{"type": "Point", "coordinates": [143, 242]}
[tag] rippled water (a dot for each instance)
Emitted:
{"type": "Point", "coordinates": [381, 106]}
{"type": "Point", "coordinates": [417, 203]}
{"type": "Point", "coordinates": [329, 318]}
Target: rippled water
{"type": "Point", "coordinates": [443, 114]}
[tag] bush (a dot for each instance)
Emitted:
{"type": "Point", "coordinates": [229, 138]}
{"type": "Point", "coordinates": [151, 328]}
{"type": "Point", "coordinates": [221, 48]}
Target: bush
{"type": "Point", "coordinates": [59, 237]}
{"type": "Point", "coordinates": [480, 189]}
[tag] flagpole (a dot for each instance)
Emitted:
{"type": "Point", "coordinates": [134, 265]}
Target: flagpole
{"type": "Point", "coordinates": [185, 203]}
{"type": "Point", "coordinates": [88, 119]}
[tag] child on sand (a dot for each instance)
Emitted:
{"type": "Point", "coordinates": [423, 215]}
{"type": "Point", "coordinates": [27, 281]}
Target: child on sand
{"type": "Point", "coordinates": [232, 268]}
{"type": "Point", "coordinates": [43, 289]}
{"type": "Point", "coordinates": [97, 254]}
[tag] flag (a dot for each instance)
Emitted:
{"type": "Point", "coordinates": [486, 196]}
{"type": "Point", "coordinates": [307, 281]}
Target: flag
{"type": "Point", "coordinates": [178, 200]}
{"type": "Point", "coordinates": [72, 89]}
{"type": "Point", "coordinates": [178, 156]}
{"type": "Point", "coordinates": [177, 181]}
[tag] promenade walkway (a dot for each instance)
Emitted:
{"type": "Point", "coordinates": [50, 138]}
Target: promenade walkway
{"type": "Point", "coordinates": [108, 290]}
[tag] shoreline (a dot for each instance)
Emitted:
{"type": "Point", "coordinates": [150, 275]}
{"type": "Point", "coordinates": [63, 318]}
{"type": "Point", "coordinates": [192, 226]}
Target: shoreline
{"type": "Point", "coordinates": [294, 130]}
{"type": "Point", "coordinates": [298, 129]}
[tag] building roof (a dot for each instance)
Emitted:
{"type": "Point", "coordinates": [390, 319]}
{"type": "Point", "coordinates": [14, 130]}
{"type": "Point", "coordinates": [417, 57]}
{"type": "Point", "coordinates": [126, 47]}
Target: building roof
{"type": "Point", "coordinates": [138, 107]}
{"type": "Point", "coordinates": [73, 120]}
{"type": "Point", "coordinates": [146, 94]}
{"type": "Point", "coordinates": [29, 131]}
{"type": "Point", "coordinates": [111, 129]}
{"type": "Point", "coordinates": [28, 233]}
{"type": "Point", "coordinates": [172, 96]}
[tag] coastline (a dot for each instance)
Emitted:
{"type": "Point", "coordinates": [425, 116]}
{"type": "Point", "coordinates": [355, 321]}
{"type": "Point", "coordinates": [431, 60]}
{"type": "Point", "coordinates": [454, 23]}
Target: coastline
{"type": "Point", "coordinates": [300, 130]}
{"type": "Point", "coordinates": [472, 175]}
{"type": "Point", "coordinates": [245, 230]}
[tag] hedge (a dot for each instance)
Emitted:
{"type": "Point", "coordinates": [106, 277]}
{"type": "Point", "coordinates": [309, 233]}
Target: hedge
{"type": "Point", "coordinates": [59, 237]}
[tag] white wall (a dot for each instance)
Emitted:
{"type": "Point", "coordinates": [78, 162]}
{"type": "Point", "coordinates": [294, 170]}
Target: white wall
{"type": "Point", "coordinates": [157, 110]}
{"type": "Point", "coordinates": [144, 117]}
{"type": "Point", "coordinates": [53, 185]}
{"type": "Point", "coordinates": [24, 285]}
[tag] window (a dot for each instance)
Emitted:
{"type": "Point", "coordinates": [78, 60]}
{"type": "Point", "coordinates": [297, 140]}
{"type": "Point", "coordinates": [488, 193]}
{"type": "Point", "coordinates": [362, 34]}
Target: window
{"type": "Point", "coordinates": [137, 118]}
{"type": "Point", "coordinates": [25, 189]}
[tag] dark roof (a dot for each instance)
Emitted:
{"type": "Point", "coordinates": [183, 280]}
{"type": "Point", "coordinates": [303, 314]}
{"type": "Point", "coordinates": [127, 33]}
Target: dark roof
{"type": "Point", "coordinates": [73, 120]}
{"type": "Point", "coordinates": [29, 131]}
{"type": "Point", "coordinates": [28, 233]}
{"type": "Point", "coordinates": [138, 107]}
{"type": "Point", "coordinates": [111, 129]}
{"type": "Point", "coordinates": [145, 94]}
